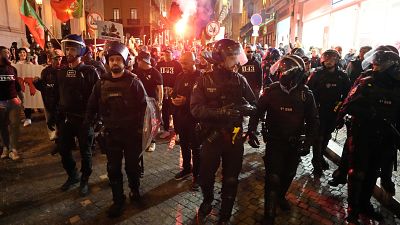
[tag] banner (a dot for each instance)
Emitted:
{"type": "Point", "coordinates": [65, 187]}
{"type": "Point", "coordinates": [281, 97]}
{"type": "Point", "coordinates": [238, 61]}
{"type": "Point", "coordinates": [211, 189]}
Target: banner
{"type": "Point", "coordinates": [111, 31]}
{"type": "Point", "coordinates": [26, 74]}
{"type": "Point", "coordinates": [33, 22]}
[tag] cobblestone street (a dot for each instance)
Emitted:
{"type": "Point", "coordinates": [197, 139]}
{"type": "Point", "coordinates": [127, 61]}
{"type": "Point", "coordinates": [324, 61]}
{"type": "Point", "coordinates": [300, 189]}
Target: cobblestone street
{"type": "Point", "coordinates": [30, 191]}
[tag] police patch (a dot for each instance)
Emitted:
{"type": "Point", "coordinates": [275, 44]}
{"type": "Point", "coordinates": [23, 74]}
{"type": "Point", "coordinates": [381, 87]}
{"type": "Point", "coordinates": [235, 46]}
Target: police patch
{"type": "Point", "coordinates": [71, 73]}
{"type": "Point", "coordinates": [211, 90]}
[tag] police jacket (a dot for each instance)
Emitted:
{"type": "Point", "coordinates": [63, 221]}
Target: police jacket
{"type": "Point", "coordinates": [184, 86]}
{"type": "Point", "coordinates": [288, 114]}
{"type": "Point", "coordinates": [120, 102]}
{"type": "Point", "coordinates": [217, 89]}
{"type": "Point", "coordinates": [375, 101]}
{"type": "Point", "coordinates": [74, 86]}
{"type": "Point", "coordinates": [328, 88]}
{"type": "Point", "coordinates": [253, 73]}
{"type": "Point", "coordinates": [46, 85]}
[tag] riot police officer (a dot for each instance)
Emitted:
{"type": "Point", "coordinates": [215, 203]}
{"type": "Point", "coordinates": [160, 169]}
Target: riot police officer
{"type": "Point", "coordinates": [271, 57]}
{"type": "Point", "coordinates": [374, 105]}
{"type": "Point", "coordinates": [340, 174]}
{"type": "Point", "coordinates": [289, 105]}
{"type": "Point", "coordinates": [252, 71]}
{"type": "Point", "coordinates": [219, 101]}
{"type": "Point", "coordinates": [119, 99]}
{"type": "Point", "coordinates": [74, 85]}
{"type": "Point", "coordinates": [330, 86]}
{"type": "Point", "coordinates": [355, 72]}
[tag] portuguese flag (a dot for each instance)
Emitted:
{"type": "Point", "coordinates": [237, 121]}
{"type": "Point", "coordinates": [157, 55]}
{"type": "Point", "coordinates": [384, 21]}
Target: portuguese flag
{"type": "Point", "coordinates": [67, 9]}
{"type": "Point", "coordinates": [33, 22]}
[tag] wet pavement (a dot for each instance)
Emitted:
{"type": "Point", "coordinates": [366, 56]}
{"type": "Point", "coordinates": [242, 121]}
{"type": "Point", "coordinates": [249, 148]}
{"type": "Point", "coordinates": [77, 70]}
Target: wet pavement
{"type": "Point", "coordinates": [30, 193]}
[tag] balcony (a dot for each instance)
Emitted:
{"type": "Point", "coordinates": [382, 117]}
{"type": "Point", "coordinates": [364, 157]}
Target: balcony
{"type": "Point", "coordinates": [133, 21]}
{"type": "Point", "coordinates": [116, 20]}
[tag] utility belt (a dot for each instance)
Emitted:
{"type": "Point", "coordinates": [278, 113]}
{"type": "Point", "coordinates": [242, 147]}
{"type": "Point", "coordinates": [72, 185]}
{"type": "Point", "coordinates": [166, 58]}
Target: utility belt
{"type": "Point", "coordinates": [71, 117]}
{"type": "Point", "coordinates": [297, 142]}
{"type": "Point", "coordinates": [211, 134]}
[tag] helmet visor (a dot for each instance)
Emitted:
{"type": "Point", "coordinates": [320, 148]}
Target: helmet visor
{"type": "Point", "coordinates": [381, 60]}
{"type": "Point", "coordinates": [234, 55]}
{"type": "Point", "coordinates": [80, 49]}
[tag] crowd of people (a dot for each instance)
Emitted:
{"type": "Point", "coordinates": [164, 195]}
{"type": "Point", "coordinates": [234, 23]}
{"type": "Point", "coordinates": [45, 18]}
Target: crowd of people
{"type": "Point", "coordinates": [204, 95]}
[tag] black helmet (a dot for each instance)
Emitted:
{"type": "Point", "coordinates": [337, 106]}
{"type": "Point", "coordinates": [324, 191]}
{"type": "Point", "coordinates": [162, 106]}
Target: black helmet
{"type": "Point", "coordinates": [380, 55]}
{"type": "Point", "coordinates": [117, 48]}
{"type": "Point", "coordinates": [290, 71]}
{"type": "Point", "coordinates": [74, 40]}
{"type": "Point", "coordinates": [272, 54]}
{"type": "Point", "coordinates": [384, 59]}
{"type": "Point", "coordinates": [298, 52]}
{"type": "Point", "coordinates": [329, 54]}
{"type": "Point", "coordinates": [224, 48]}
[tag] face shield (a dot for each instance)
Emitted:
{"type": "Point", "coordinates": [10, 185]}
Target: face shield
{"type": "Point", "coordinates": [380, 60]}
{"type": "Point", "coordinates": [80, 48]}
{"type": "Point", "coordinates": [234, 55]}
{"type": "Point", "coordinates": [289, 70]}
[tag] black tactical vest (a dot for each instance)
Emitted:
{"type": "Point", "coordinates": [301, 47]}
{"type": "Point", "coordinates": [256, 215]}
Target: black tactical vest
{"type": "Point", "coordinates": [117, 103]}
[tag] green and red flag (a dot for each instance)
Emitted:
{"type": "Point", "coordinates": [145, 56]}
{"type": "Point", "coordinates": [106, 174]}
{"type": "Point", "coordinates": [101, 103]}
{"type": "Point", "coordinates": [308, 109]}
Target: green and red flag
{"type": "Point", "coordinates": [67, 9]}
{"type": "Point", "coordinates": [33, 22]}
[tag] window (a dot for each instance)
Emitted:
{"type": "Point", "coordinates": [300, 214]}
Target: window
{"type": "Point", "coordinates": [133, 14]}
{"type": "Point", "coordinates": [116, 15]}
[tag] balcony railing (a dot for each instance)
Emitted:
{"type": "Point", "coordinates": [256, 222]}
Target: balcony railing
{"type": "Point", "coordinates": [133, 21]}
{"type": "Point", "coordinates": [116, 20]}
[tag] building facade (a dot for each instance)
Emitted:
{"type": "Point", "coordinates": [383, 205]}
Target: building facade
{"type": "Point", "coordinates": [140, 19]}
{"type": "Point", "coordinates": [12, 28]}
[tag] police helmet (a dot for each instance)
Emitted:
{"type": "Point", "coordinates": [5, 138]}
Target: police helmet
{"type": "Point", "coordinates": [373, 56]}
{"type": "Point", "coordinates": [74, 40]}
{"type": "Point", "coordinates": [117, 48]}
{"type": "Point", "coordinates": [227, 47]}
{"type": "Point", "coordinates": [329, 54]}
{"type": "Point", "coordinates": [290, 71]}
{"type": "Point", "coordinates": [298, 51]}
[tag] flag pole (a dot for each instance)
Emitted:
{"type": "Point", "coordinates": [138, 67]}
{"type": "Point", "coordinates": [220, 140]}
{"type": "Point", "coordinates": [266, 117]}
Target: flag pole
{"type": "Point", "coordinates": [51, 34]}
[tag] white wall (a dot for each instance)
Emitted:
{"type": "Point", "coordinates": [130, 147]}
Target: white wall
{"type": "Point", "coordinates": [11, 26]}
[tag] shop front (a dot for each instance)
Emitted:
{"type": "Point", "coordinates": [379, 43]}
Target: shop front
{"type": "Point", "coordinates": [350, 23]}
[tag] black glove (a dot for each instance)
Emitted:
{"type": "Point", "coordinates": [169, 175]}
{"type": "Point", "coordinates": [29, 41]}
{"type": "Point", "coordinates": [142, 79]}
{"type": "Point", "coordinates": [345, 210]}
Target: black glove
{"type": "Point", "coordinates": [229, 112]}
{"type": "Point", "coordinates": [246, 108]}
{"type": "Point", "coordinates": [253, 140]}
